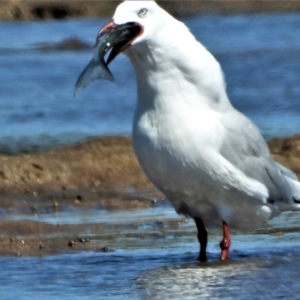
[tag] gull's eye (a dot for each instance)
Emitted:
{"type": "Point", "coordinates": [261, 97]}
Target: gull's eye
{"type": "Point", "coordinates": [143, 12]}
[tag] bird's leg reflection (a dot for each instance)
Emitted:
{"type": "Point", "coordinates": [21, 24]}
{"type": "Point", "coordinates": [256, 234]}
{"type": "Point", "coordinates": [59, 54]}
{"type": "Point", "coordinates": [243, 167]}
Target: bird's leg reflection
{"type": "Point", "coordinates": [202, 238]}
{"type": "Point", "coordinates": [225, 243]}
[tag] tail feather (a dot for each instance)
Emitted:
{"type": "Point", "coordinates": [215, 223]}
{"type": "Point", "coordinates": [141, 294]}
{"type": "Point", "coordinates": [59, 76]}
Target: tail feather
{"type": "Point", "coordinates": [286, 172]}
{"type": "Point", "coordinates": [294, 184]}
{"type": "Point", "coordinates": [295, 189]}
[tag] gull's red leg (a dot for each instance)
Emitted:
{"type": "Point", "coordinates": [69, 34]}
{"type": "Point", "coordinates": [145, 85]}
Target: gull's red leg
{"type": "Point", "coordinates": [225, 243]}
{"type": "Point", "coordinates": [202, 238]}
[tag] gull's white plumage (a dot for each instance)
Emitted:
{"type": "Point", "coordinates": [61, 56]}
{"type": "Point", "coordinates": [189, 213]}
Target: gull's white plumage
{"type": "Point", "coordinates": [205, 156]}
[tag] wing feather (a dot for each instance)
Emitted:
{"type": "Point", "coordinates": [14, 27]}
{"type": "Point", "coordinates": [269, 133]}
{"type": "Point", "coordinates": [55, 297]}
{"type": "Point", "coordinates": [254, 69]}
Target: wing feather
{"type": "Point", "coordinates": [246, 149]}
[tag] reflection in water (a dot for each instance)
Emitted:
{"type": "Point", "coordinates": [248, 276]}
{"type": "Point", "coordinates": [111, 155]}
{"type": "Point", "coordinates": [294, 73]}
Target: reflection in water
{"type": "Point", "coordinates": [252, 278]}
{"type": "Point", "coordinates": [158, 261]}
{"type": "Point", "coordinates": [154, 274]}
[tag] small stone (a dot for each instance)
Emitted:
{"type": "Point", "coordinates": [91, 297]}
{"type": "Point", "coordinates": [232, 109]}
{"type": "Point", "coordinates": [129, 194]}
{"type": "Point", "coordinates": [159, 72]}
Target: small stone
{"type": "Point", "coordinates": [278, 233]}
{"type": "Point", "coordinates": [55, 206]}
{"type": "Point", "coordinates": [12, 239]}
{"type": "Point", "coordinates": [18, 254]}
{"type": "Point", "coordinates": [72, 243]}
{"type": "Point", "coordinates": [81, 240]}
{"type": "Point", "coordinates": [41, 246]}
{"type": "Point", "coordinates": [96, 183]}
{"type": "Point", "coordinates": [23, 242]}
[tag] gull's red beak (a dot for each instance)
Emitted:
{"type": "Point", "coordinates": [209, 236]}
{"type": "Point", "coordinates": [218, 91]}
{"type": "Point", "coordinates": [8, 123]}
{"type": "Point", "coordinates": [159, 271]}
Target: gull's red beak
{"type": "Point", "coordinates": [106, 28]}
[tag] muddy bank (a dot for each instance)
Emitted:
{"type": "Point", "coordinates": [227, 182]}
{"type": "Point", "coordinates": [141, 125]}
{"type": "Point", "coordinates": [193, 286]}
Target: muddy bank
{"type": "Point", "coordinates": [102, 168]}
{"type": "Point", "coordinates": [54, 9]}
{"type": "Point", "coordinates": [106, 163]}
{"type": "Point", "coordinates": [102, 174]}
{"type": "Point", "coordinates": [37, 238]}
{"type": "Point", "coordinates": [287, 152]}
{"type": "Point", "coordinates": [41, 246]}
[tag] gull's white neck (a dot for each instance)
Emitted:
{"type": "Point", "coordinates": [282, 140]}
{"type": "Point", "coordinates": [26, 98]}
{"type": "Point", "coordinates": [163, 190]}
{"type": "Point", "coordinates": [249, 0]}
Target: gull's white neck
{"type": "Point", "coordinates": [168, 68]}
{"type": "Point", "coordinates": [180, 90]}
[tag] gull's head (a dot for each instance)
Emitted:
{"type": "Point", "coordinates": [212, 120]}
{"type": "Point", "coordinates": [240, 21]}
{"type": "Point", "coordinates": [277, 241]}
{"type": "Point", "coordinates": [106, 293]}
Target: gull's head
{"type": "Point", "coordinates": [142, 20]}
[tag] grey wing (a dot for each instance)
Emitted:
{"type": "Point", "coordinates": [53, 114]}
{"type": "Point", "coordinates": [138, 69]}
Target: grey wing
{"type": "Point", "coordinates": [246, 149]}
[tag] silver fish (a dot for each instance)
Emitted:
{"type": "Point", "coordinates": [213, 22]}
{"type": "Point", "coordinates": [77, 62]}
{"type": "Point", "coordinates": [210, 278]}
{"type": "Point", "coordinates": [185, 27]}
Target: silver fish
{"type": "Point", "coordinates": [116, 39]}
{"type": "Point", "coordinates": [96, 68]}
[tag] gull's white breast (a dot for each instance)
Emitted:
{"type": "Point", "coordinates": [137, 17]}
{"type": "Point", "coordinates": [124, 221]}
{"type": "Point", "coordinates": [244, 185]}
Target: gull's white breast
{"type": "Point", "coordinates": [172, 141]}
{"type": "Point", "coordinates": [178, 133]}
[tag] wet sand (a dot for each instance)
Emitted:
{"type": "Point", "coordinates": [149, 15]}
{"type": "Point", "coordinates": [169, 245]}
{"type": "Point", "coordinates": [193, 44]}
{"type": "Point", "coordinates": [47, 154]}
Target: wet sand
{"type": "Point", "coordinates": [102, 173]}
{"type": "Point", "coordinates": [11, 10]}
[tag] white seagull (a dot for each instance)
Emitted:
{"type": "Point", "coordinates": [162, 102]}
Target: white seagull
{"type": "Point", "coordinates": [209, 159]}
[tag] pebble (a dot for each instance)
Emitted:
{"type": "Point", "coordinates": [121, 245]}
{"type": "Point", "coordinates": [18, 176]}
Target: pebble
{"type": "Point", "coordinates": [278, 233]}
{"type": "Point", "coordinates": [107, 249]}
{"type": "Point", "coordinates": [71, 243]}
{"type": "Point", "coordinates": [96, 183]}
{"type": "Point", "coordinates": [83, 240]}
{"type": "Point", "coordinates": [55, 206]}
{"type": "Point", "coordinates": [78, 199]}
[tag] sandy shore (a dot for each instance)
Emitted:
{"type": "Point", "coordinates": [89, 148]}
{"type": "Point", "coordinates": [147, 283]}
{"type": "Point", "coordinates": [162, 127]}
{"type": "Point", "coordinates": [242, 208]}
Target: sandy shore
{"type": "Point", "coordinates": [62, 9]}
{"type": "Point", "coordinates": [102, 173]}
{"type": "Point", "coordinates": [106, 167]}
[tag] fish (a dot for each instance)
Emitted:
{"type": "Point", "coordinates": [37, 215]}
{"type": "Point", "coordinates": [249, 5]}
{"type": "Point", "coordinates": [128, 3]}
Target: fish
{"type": "Point", "coordinates": [97, 68]}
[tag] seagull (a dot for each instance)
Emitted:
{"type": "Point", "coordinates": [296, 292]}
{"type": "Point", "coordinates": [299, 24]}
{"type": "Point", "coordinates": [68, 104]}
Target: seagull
{"type": "Point", "coordinates": [208, 158]}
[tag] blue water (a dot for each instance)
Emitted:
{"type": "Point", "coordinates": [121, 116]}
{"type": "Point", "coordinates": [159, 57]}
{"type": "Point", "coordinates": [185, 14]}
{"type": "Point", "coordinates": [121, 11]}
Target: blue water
{"type": "Point", "coordinates": [159, 262]}
{"type": "Point", "coordinates": [260, 56]}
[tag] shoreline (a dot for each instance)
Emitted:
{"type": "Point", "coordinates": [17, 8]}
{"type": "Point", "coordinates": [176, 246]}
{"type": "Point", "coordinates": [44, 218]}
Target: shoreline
{"type": "Point", "coordinates": [102, 173]}
{"type": "Point", "coordinates": [18, 10]}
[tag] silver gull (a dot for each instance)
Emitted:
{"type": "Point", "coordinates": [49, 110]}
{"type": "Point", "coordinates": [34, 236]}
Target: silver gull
{"type": "Point", "coordinates": [208, 158]}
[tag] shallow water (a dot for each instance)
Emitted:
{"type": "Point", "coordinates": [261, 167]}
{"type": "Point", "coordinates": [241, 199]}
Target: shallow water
{"type": "Point", "coordinates": [85, 276]}
{"type": "Point", "coordinates": [158, 261]}
{"type": "Point", "coordinates": [260, 55]}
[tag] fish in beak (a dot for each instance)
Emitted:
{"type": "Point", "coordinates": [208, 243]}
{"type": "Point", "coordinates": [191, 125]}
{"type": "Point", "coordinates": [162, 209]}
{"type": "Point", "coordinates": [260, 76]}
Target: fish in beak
{"type": "Point", "coordinates": [112, 37]}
